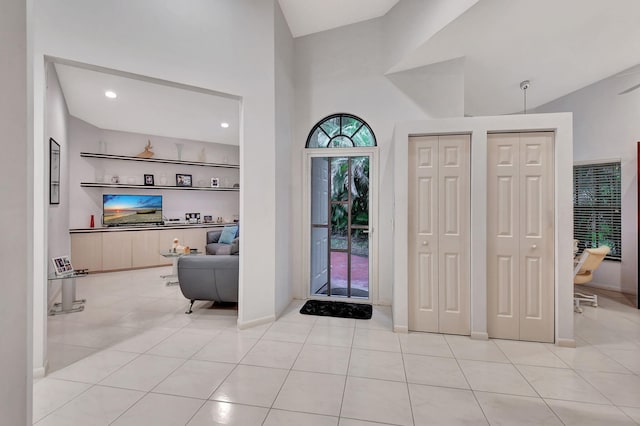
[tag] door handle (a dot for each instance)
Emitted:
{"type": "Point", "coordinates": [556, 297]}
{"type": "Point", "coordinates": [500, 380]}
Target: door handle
{"type": "Point", "coordinates": [533, 246]}
{"type": "Point", "coordinates": [425, 243]}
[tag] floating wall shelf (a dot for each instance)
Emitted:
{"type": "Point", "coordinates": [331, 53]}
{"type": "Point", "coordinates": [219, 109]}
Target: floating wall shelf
{"type": "Point", "coordinates": [122, 185]}
{"type": "Point", "coordinates": [158, 160]}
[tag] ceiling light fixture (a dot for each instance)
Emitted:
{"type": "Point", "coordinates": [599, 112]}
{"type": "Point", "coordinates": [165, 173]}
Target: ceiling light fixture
{"type": "Point", "coordinates": [224, 125]}
{"type": "Point", "coordinates": [110, 94]}
{"type": "Point", "coordinates": [524, 85]}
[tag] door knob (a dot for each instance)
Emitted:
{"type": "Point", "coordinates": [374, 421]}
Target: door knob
{"type": "Point", "coordinates": [425, 243]}
{"type": "Point", "coordinates": [533, 246]}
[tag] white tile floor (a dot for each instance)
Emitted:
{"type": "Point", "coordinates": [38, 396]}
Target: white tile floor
{"type": "Point", "coordinates": [134, 358]}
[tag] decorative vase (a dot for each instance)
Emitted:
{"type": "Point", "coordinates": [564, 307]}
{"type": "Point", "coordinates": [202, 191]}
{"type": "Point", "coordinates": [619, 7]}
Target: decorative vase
{"type": "Point", "coordinates": [179, 148]}
{"type": "Point", "coordinates": [92, 223]}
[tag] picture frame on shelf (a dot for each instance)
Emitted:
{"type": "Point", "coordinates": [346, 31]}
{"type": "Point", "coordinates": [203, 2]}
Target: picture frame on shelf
{"type": "Point", "coordinates": [54, 172]}
{"type": "Point", "coordinates": [208, 219]}
{"type": "Point", "coordinates": [62, 265]}
{"type": "Point", "coordinates": [215, 182]}
{"type": "Point", "coordinates": [183, 180]}
{"type": "Point", "coordinates": [149, 180]}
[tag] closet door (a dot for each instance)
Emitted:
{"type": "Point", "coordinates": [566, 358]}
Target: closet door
{"type": "Point", "coordinates": [520, 269]}
{"type": "Point", "coordinates": [423, 234]}
{"type": "Point", "coordinates": [439, 234]}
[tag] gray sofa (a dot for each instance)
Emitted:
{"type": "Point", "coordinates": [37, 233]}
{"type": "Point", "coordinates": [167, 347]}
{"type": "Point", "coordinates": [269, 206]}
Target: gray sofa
{"type": "Point", "coordinates": [209, 278]}
{"type": "Point", "coordinates": [214, 247]}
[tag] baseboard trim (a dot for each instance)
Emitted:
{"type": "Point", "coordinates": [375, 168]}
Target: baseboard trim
{"type": "Point", "coordinates": [479, 335]}
{"type": "Point", "coordinates": [566, 343]}
{"type": "Point", "coordinates": [258, 321]}
{"type": "Point", "coordinates": [400, 329]}
{"type": "Point", "coordinates": [39, 373]}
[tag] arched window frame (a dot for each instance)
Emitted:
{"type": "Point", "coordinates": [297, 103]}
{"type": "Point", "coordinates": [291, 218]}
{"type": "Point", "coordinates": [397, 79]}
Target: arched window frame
{"type": "Point", "coordinates": [341, 135]}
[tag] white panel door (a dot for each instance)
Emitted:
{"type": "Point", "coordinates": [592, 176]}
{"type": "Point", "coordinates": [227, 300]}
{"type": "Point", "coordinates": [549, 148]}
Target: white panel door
{"type": "Point", "coordinates": [520, 250]}
{"type": "Point", "coordinates": [439, 296]}
{"type": "Point", "coordinates": [423, 234]}
{"type": "Point", "coordinates": [453, 234]}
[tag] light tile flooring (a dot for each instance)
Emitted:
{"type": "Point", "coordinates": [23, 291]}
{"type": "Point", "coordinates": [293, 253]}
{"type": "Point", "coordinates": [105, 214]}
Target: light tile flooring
{"type": "Point", "coordinates": [134, 358]}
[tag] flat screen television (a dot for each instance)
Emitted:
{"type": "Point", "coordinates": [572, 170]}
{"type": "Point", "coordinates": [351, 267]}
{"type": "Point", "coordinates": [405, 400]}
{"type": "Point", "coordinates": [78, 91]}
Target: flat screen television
{"type": "Point", "coordinates": [128, 209]}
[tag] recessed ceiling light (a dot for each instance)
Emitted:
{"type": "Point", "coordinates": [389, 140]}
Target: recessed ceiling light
{"type": "Point", "coordinates": [110, 94]}
{"type": "Point", "coordinates": [224, 125]}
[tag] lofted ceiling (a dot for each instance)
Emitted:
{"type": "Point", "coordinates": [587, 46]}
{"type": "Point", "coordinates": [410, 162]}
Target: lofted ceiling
{"type": "Point", "coordinates": [148, 107]}
{"type": "Point", "coordinates": [560, 46]}
{"type": "Point", "coordinates": [311, 16]}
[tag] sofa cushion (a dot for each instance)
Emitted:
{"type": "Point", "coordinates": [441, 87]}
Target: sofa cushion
{"type": "Point", "coordinates": [235, 246]}
{"type": "Point", "coordinates": [228, 234]}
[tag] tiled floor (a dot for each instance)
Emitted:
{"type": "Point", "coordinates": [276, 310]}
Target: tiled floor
{"type": "Point", "coordinates": [134, 358]}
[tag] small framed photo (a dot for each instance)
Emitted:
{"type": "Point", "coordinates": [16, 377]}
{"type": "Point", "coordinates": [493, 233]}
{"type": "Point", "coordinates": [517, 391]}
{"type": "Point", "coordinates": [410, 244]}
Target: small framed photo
{"type": "Point", "coordinates": [62, 265]}
{"type": "Point", "coordinates": [208, 219]}
{"type": "Point", "coordinates": [148, 180]}
{"type": "Point", "coordinates": [215, 182]}
{"type": "Point", "coordinates": [183, 180]}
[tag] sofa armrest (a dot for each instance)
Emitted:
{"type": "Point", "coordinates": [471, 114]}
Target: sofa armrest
{"type": "Point", "coordinates": [213, 236]}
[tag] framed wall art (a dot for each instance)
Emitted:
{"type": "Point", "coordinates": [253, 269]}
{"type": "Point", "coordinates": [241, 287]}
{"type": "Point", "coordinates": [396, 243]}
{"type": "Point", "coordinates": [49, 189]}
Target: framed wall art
{"type": "Point", "coordinates": [54, 172]}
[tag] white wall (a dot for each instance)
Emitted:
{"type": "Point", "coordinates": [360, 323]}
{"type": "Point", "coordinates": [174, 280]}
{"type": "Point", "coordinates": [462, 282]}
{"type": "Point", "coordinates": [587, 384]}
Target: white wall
{"type": "Point", "coordinates": [213, 44]}
{"type": "Point", "coordinates": [284, 135]}
{"type": "Point", "coordinates": [57, 123]}
{"type": "Point", "coordinates": [342, 70]}
{"type": "Point", "coordinates": [15, 215]}
{"type": "Point", "coordinates": [85, 202]}
{"type": "Point", "coordinates": [605, 126]}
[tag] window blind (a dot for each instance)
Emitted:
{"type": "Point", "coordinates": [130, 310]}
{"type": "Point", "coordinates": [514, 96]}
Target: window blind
{"type": "Point", "coordinates": [597, 207]}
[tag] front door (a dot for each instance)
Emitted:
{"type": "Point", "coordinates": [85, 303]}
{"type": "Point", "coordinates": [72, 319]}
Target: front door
{"type": "Point", "coordinates": [340, 226]}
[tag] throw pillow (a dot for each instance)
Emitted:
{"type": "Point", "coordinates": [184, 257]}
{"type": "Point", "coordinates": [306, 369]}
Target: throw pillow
{"type": "Point", "coordinates": [228, 234]}
{"type": "Point", "coordinates": [235, 246]}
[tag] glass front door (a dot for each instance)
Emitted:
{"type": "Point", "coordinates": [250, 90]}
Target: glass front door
{"type": "Point", "coordinates": [340, 226]}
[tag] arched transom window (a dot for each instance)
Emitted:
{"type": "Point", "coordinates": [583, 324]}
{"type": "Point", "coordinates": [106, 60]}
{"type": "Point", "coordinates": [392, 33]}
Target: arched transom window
{"type": "Point", "coordinates": [341, 131]}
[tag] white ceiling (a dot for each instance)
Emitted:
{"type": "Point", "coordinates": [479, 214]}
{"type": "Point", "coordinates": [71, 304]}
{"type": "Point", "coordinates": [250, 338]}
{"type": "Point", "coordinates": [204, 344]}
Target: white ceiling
{"type": "Point", "coordinates": [147, 107]}
{"type": "Point", "coordinates": [312, 16]}
{"type": "Point", "coordinates": [560, 46]}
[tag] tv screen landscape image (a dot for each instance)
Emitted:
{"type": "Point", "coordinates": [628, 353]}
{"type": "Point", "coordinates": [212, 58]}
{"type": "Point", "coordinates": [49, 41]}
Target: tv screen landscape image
{"type": "Point", "coordinates": [127, 209]}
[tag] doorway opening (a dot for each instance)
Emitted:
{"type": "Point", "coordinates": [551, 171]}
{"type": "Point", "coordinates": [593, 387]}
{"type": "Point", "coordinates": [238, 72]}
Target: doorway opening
{"type": "Point", "coordinates": [340, 199]}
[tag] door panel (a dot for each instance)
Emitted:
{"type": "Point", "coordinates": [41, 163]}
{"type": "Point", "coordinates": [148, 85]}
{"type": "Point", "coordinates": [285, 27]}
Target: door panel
{"type": "Point", "coordinates": [453, 234]}
{"type": "Point", "coordinates": [520, 275]}
{"type": "Point", "coordinates": [438, 234]}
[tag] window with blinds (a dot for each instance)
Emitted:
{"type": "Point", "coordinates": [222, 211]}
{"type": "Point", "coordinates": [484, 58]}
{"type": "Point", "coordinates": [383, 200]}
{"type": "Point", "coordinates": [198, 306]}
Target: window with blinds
{"type": "Point", "coordinates": [597, 207]}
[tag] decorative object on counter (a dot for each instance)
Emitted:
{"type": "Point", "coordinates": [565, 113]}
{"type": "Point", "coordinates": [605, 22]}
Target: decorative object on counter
{"type": "Point", "coordinates": [179, 148]}
{"type": "Point", "coordinates": [208, 219]}
{"type": "Point", "coordinates": [147, 153]}
{"type": "Point", "coordinates": [202, 156]}
{"type": "Point", "coordinates": [236, 185]}
{"type": "Point", "coordinates": [177, 248]}
{"type": "Point", "coordinates": [183, 180]}
{"type": "Point", "coordinates": [62, 265]}
{"type": "Point", "coordinates": [220, 219]}
{"type": "Point", "coordinates": [164, 181]}
{"type": "Point", "coordinates": [236, 217]}
{"type": "Point", "coordinates": [115, 179]}
{"type": "Point", "coordinates": [54, 172]}
{"type": "Point", "coordinates": [92, 222]}
{"type": "Point", "coordinates": [215, 182]}
{"type": "Point", "coordinates": [148, 180]}
{"type": "Point", "coordinates": [192, 217]}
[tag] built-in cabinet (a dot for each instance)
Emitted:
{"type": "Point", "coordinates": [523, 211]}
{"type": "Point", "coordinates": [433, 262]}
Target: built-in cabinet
{"type": "Point", "coordinates": [117, 249]}
{"type": "Point", "coordinates": [520, 236]}
{"type": "Point", "coordinates": [439, 216]}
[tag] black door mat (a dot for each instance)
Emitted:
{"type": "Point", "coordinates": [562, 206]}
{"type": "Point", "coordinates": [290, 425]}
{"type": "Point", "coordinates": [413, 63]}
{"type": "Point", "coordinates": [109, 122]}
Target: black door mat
{"type": "Point", "coordinates": [326, 308]}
